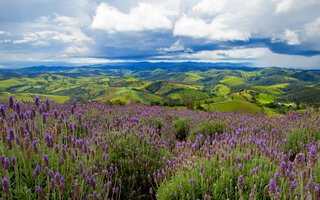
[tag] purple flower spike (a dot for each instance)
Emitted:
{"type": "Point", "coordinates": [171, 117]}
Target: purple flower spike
{"type": "Point", "coordinates": [241, 183]}
{"type": "Point", "coordinates": [272, 188]}
{"type": "Point", "coordinates": [192, 182]}
{"type": "Point", "coordinates": [13, 161]}
{"type": "Point", "coordinates": [6, 163]}
{"type": "Point", "coordinates": [45, 160]}
{"type": "Point", "coordinates": [44, 118]}
{"type": "Point", "coordinates": [312, 155]}
{"type": "Point", "coordinates": [5, 186]}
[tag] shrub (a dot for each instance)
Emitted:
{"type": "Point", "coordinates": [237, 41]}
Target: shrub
{"type": "Point", "coordinates": [182, 129]}
{"type": "Point", "coordinates": [207, 128]}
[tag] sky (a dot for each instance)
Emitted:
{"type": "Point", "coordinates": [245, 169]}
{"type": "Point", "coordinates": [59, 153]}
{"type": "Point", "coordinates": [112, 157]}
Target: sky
{"type": "Point", "coordinates": [283, 33]}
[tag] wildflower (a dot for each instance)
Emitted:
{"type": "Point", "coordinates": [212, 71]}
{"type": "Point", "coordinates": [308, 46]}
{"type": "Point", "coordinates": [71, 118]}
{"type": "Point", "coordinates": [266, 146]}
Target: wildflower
{"type": "Point", "coordinates": [300, 161]}
{"type": "Point", "coordinates": [292, 187]}
{"type": "Point", "coordinates": [272, 188]}
{"type": "Point", "coordinates": [13, 161]}
{"type": "Point", "coordinates": [44, 118]}
{"type": "Point", "coordinates": [310, 185]}
{"type": "Point", "coordinates": [241, 183]}
{"type": "Point", "coordinates": [45, 160]}
{"type": "Point", "coordinates": [316, 192]}
{"type": "Point", "coordinates": [283, 169]}
{"type": "Point", "coordinates": [36, 101]}
{"type": "Point", "coordinates": [312, 156]}
{"type": "Point", "coordinates": [6, 163]}
{"type": "Point", "coordinates": [57, 149]}
{"type": "Point", "coordinates": [11, 134]}
{"type": "Point", "coordinates": [52, 184]}
{"type": "Point", "coordinates": [5, 186]}
{"type": "Point", "coordinates": [192, 182]}
{"type": "Point", "coordinates": [62, 185]}
{"type": "Point", "coordinates": [11, 101]}
{"type": "Point", "coordinates": [276, 177]}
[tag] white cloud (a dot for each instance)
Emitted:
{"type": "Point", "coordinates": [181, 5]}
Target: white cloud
{"type": "Point", "coordinates": [4, 32]}
{"type": "Point", "coordinates": [62, 29]}
{"type": "Point", "coordinates": [260, 57]}
{"type": "Point", "coordinates": [284, 5]}
{"type": "Point", "coordinates": [41, 37]}
{"type": "Point", "coordinates": [232, 54]}
{"type": "Point", "coordinates": [210, 7]}
{"type": "Point", "coordinates": [175, 47]}
{"type": "Point", "coordinates": [145, 16]}
{"type": "Point", "coordinates": [290, 37]}
{"type": "Point", "coordinates": [216, 30]}
{"type": "Point", "coordinates": [5, 41]}
{"type": "Point", "coordinates": [313, 28]}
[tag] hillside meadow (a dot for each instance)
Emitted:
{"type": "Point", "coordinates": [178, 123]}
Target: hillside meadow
{"type": "Point", "coordinates": [92, 150]}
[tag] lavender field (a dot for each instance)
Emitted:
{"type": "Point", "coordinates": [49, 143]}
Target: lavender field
{"type": "Point", "coordinates": [96, 151]}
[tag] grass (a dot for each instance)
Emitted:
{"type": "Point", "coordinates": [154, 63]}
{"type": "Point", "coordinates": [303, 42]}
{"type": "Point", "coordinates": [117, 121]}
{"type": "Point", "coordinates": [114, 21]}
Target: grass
{"type": "Point", "coordinates": [221, 90]}
{"type": "Point", "coordinates": [238, 104]}
{"type": "Point", "coordinates": [233, 81]}
{"type": "Point", "coordinates": [30, 97]}
{"type": "Point", "coordinates": [273, 89]}
{"type": "Point", "coordinates": [264, 98]}
{"type": "Point", "coordinates": [218, 177]}
{"type": "Point", "coordinates": [4, 84]}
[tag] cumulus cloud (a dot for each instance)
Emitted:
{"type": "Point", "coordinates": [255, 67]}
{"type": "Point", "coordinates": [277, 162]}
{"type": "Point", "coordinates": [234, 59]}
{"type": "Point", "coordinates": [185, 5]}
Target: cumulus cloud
{"type": "Point", "coordinates": [210, 7]}
{"type": "Point", "coordinates": [175, 47]}
{"type": "Point", "coordinates": [66, 30]}
{"type": "Point", "coordinates": [215, 30]}
{"type": "Point", "coordinates": [176, 29]}
{"type": "Point", "coordinates": [289, 36]}
{"type": "Point", "coordinates": [313, 28]}
{"type": "Point", "coordinates": [260, 57]}
{"type": "Point", "coordinates": [145, 16]}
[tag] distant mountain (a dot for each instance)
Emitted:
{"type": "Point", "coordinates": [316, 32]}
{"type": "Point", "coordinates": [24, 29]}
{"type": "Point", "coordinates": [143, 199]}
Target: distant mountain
{"type": "Point", "coordinates": [164, 82]}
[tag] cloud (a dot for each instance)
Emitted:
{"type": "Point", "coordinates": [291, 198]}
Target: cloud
{"type": "Point", "coordinates": [313, 28]}
{"type": "Point", "coordinates": [289, 36]}
{"type": "Point", "coordinates": [215, 30]}
{"type": "Point", "coordinates": [259, 57]}
{"type": "Point", "coordinates": [58, 29]}
{"type": "Point", "coordinates": [210, 7]}
{"type": "Point", "coordinates": [145, 16]}
{"type": "Point", "coordinates": [284, 5]}
{"type": "Point", "coordinates": [175, 47]}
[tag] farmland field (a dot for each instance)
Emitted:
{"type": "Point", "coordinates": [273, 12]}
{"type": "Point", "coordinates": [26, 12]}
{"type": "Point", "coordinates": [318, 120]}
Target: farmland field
{"type": "Point", "coordinates": [255, 90]}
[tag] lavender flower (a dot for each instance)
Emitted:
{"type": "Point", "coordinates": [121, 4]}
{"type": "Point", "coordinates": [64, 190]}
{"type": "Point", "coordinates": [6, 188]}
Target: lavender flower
{"type": "Point", "coordinates": [312, 156]}
{"type": "Point", "coordinates": [241, 183]}
{"type": "Point", "coordinates": [44, 118]}
{"type": "Point", "coordinates": [13, 159]}
{"type": "Point", "coordinates": [310, 185]}
{"type": "Point", "coordinates": [300, 161]}
{"type": "Point", "coordinates": [192, 182]}
{"type": "Point", "coordinates": [272, 188]}
{"type": "Point", "coordinates": [316, 193]}
{"type": "Point", "coordinates": [45, 160]}
{"type": "Point", "coordinates": [35, 147]}
{"type": "Point", "coordinates": [283, 169]}
{"type": "Point", "coordinates": [6, 186]}
{"type": "Point", "coordinates": [6, 163]}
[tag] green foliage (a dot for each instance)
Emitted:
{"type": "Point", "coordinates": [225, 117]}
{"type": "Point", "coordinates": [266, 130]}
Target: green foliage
{"type": "Point", "coordinates": [182, 129]}
{"type": "Point", "coordinates": [302, 135]}
{"type": "Point", "coordinates": [207, 128]}
{"type": "Point", "coordinates": [218, 177]}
